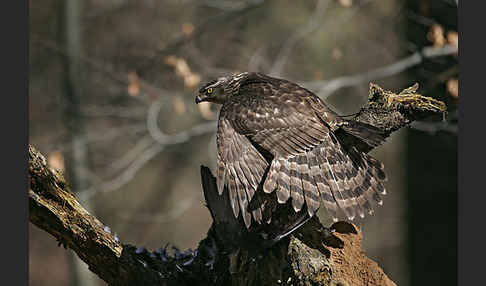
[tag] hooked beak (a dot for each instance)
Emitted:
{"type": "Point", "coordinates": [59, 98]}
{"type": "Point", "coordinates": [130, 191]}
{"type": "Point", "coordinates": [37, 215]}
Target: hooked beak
{"type": "Point", "coordinates": [200, 98]}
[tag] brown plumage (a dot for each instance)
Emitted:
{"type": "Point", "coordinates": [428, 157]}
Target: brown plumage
{"type": "Point", "coordinates": [274, 135]}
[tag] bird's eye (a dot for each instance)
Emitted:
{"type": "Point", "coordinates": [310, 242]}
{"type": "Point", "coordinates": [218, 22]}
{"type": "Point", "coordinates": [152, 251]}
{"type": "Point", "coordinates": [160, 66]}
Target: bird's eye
{"type": "Point", "coordinates": [209, 90]}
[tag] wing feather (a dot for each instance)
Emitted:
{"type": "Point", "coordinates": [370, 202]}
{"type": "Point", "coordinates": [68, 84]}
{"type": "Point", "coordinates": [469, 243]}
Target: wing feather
{"type": "Point", "coordinates": [241, 168]}
{"type": "Point", "coordinates": [250, 189]}
{"type": "Point", "coordinates": [347, 168]}
{"type": "Point", "coordinates": [311, 193]}
{"type": "Point", "coordinates": [283, 181]}
{"type": "Point", "coordinates": [233, 196]}
{"type": "Point", "coordinates": [220, 175]}
{"type": "Point", "coordinates": [242, 198]}
{"type": "Point", "coordinates": [271, 182]}
{"type": "Point", "coordinates": [296, 191]}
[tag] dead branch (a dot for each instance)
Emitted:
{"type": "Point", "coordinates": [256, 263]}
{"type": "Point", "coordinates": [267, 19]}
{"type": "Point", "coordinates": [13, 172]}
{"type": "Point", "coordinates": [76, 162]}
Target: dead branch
{"type": "Point", "coordinates": [56, 210]}
{"type": "Point", "coordinates": [229, 255]}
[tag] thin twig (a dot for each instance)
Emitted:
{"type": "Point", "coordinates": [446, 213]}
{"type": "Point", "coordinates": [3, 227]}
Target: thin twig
{"type": "Point", "coordinates": [326, 88]}
{"type": "Point", "coordinates": [127, 175]}
{"type": "Point", "coordinates": [174, 213]}
{"type": "Point", "coordinates": [311, 25]}
{"type": "Point", "coordinates": [146, 89]}
{"type": "Point", "coordinates": [177, 138]}
{"type": "Point", "coordinates": [434, 127]}
{"type": "Point", "coordinates": [107, 110]}
{"type": "Point", "coordinates": [176, 43]}
{"type": "Point", "coordinates": [131, 155]}
{"type": "Point", "coordinates": [141, 154]}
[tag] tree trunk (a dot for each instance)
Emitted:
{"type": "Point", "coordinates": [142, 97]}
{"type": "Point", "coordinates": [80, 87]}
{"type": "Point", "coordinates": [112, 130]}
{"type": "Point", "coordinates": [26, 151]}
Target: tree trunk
{"type": "Point", "coordinates": [77, 155]}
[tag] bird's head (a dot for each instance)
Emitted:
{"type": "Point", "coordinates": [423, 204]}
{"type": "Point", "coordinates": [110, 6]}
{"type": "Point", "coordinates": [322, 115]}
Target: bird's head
{"type": "Point", "coordinates": [219, 90]}
{"type": "Point", "coordinates": [213, 91]}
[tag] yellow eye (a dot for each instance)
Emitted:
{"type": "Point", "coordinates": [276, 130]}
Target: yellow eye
{"type": "Point", "coordinates": [209, 90]}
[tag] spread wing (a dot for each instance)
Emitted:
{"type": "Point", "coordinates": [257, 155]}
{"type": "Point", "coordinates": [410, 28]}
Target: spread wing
{"type": "Point", "coordinates": [290, 122]}
{"type": "Point", "coordinates": [241, 167]}
{"type": "Point", "coordinates": [308, 163]}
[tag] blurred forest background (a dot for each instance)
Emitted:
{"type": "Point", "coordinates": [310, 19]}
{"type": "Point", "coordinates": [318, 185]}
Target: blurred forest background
{"type": "Point", "coordinates": [111, 102]}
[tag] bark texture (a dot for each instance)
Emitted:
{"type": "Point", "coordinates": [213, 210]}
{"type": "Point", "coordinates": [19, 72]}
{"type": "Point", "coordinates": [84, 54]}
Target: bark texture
{"type": "Point", "coordinates": [229, 255]}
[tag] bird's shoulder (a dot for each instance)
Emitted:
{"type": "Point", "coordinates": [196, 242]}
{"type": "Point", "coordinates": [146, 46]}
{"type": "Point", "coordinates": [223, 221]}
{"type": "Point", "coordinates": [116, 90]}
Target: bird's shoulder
{"type": "Point", "coordinates": [262, 99]}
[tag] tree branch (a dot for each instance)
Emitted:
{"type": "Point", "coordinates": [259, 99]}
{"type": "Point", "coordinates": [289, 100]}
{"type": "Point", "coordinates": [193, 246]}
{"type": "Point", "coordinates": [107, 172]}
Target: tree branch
{"type": "Point", "coordinates": [55, 209]}
{"type": "Point", "coordinates": [325, 88]}
{"type": "Point", "coordinates": [311, 25]}
{"type": "Point", "coordinates": [229, 255]}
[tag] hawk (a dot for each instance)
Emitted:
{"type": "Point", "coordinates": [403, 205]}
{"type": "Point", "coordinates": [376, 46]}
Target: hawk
{"type": "Point", "coordinates": [276, 136]}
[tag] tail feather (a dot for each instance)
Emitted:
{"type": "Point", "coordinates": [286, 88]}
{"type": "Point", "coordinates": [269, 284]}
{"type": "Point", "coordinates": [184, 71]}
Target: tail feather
{"type": "Point", "coordinates": [376, 167]}
{"type": "Point", "coordinates": [373, 178]}
{"type": "Point", "coordinates": [349, 171]}
{"type": "Point", "coordinates": [340, 178]}
{"type": "Point", "coordinates": [362, 201]}
{"type": "Point", "coordinates": [311, 192]}
{"type": "Point", "coordinates": [322, 185]}
{"type": "Point", "coordinates": [354, 180]}
{"type": "Point", "coordinates": [335, 180]}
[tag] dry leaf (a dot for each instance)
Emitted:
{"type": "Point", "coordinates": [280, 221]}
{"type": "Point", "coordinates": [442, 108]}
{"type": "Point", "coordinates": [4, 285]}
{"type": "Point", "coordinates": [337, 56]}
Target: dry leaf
{"type": "Point", "coordinates": [183, 70]}
{"type": "Point", "coordinates": [55, 160]}
{"type": "Point", "coordinates": [192, 80]}
{"type": "Point", "coordinates": [346, 3]}
{"type": "Point", "coordinates": [453, 39]}
{"type": "Point", "coordinates": [133, 84]}
{"type": "Point", "coordinates": [453, 87]}
{"type": "Point", "coordinates": [179, 105]}
{"type": "Point", "coordinates": [436, 35]}
{"type": "Point", "coordinates": [187, 29]}
{"type": "Point", "coordinates": [337, 54]}
{"type": "Point", "coordinates": [171, 60]}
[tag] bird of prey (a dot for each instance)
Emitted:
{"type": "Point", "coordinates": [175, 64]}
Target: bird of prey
{"type": "Point", "coordinates": [276, 136]}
